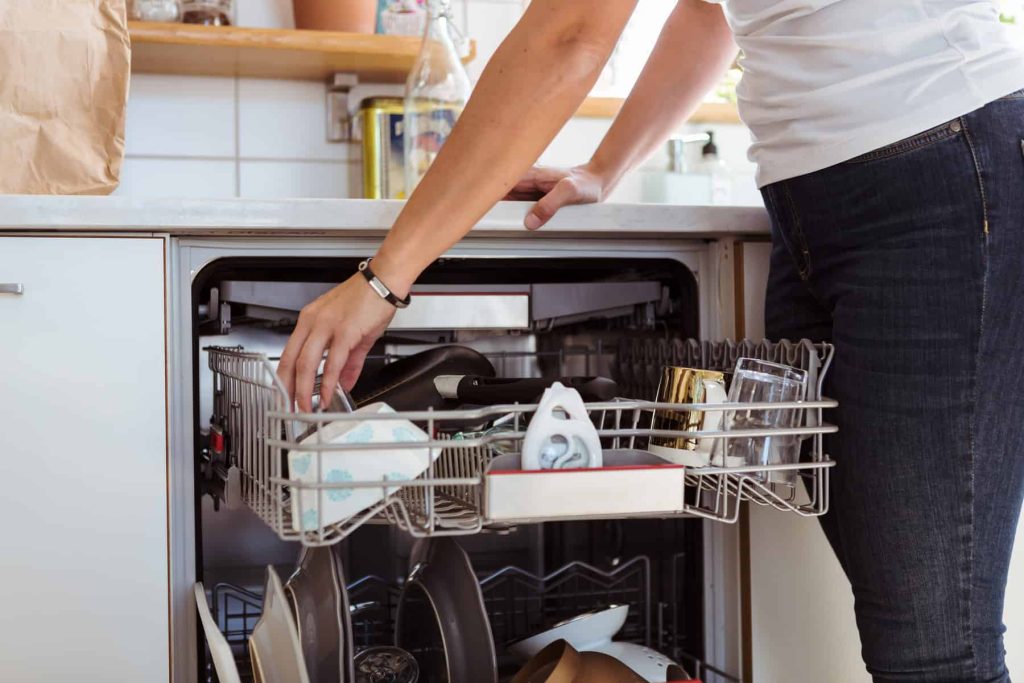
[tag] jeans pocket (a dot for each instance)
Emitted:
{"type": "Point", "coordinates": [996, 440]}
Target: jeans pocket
{"type": "Point", "coordinates": [911, 144]}
{"type": "Point", "coordinates": [786, 226]}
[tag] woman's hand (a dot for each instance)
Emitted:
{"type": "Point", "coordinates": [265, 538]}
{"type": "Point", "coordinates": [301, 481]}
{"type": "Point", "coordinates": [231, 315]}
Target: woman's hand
{"type": "Point", "coordinates": [555, 188]}
{"type": "Point", "coordinates": [347, 320]}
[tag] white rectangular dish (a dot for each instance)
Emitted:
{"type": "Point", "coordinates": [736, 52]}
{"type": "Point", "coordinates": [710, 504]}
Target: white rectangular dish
{"type": "Point", "coordinates": [630, 483]}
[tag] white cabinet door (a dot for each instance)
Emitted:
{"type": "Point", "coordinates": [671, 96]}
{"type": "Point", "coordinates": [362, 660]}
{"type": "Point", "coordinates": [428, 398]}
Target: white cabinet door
{"type": "Point", "coordinates": [83, 460]}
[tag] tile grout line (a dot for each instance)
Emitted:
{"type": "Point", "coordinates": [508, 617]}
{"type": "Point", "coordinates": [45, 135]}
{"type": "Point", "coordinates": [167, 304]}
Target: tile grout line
{"type": "Point", "coordinates": [279, 160]}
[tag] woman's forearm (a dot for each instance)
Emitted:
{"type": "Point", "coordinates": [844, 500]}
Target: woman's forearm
{"type": "Point", "coordinates": [692, 53]}
{"type": "Point", "coordinates": [532, 85]}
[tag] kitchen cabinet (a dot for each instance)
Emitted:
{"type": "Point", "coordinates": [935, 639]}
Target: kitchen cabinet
{"type": "Point", "coordinates": [83, 458]}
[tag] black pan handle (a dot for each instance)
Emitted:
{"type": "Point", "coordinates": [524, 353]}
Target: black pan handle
{"type": "Point", "coordinates": [482, 391]}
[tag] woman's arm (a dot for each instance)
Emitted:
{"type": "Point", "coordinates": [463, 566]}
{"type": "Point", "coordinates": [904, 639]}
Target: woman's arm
{"type": "Point", "coordinates": [532, 85]}
{"type": "Point", "coordinates": [693, 51]}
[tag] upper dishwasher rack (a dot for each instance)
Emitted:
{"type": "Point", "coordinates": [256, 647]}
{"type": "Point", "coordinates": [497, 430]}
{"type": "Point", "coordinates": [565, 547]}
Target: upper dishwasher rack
{"type": "Point", "coordinates": [449, 498]}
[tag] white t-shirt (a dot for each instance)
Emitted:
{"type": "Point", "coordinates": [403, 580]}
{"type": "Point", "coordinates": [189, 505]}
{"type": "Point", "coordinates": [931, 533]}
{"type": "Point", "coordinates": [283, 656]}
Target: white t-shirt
{"type": "Point", "coordinates": [827, 80]}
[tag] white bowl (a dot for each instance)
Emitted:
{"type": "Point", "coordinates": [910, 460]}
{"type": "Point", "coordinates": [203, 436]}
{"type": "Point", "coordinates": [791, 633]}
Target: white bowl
{"type": "Point", "coordinates": [312, 508]}
{"type": "Point", "coordinates": [650, 664]}
{"type": "Point", "coordinates": [593, 632]}
{"type": "Point", "coordinates": [588, 631]}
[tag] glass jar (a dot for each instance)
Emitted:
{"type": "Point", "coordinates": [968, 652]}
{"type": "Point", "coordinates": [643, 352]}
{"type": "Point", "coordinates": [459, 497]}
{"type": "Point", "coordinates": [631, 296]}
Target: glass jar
{"type": "Point", "coordinates": [155, 10]}
{"type": "Point", "coordinates": [435, 93]}
{"type": "Point", "coordinates": [207, 12]}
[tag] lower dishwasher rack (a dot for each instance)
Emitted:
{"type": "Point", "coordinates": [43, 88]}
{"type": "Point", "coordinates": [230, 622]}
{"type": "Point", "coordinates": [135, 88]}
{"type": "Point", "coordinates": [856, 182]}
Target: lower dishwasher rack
{"type": "Point", "coordinates": [449, 497]}
{"type": "Point", "coordinates": [519, 603]}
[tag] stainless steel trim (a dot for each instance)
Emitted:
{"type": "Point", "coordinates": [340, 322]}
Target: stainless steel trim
{"type": "Point", "coordinates": [15, 288]}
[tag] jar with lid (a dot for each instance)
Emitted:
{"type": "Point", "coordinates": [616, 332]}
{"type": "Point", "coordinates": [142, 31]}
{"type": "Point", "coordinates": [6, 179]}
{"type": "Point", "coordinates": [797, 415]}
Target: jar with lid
{"type": "Point", "coordinates": [155, 10]}
{"type": "Point", "coordinates": [207, 12]}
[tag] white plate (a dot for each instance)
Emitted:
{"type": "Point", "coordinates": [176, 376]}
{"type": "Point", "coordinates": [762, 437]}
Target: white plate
{"type": "Point", "coordinates": [220, 651]}
{"type": "Point", "coordinates": [329, 506]}
{"type": "Point", "coordinates": [274, 643]}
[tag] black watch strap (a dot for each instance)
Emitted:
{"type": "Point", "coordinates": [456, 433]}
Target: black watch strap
{"type": "Point", "coordinates": [382, 290]}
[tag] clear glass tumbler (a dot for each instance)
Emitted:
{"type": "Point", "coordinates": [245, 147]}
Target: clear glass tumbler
{"type": "Point", "coordinates": [757, 381]}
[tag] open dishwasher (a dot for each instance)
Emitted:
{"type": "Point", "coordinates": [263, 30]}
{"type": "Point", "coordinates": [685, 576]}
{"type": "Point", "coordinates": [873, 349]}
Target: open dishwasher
{"type": "Point", "coordinates": [544, 318]}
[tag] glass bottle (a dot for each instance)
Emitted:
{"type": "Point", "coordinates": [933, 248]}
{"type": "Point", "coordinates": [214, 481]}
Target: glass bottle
{"type": "Point", "coordinates": [435, 93]}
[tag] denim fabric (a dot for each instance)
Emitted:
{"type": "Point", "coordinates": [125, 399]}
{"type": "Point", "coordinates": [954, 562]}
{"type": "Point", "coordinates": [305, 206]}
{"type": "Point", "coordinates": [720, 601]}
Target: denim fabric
{"type": "Point", "coordinates": [910, 259]}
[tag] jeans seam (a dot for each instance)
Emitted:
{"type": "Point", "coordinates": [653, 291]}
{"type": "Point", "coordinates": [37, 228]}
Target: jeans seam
{"type": "Point", "coordinates": [804, 259]}
{"type": "Point", "coordinates": [972, 422]}
{"type": "Point", "coordinates": [907, 145]}
{"type": "Point", "coordinates": [977, 170]}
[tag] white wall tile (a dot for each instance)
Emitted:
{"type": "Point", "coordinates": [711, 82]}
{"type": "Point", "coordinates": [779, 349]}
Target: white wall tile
{"type": "Point", "coordinates": [181, 116]}
{"type": "Point", "coordinates": [292, 179]}
{"type": "Point", "coordinates": [163, 178]}
{"type": "Point", "coordinates": [488, 22]}
{"type": "Point", "coordinates": [264, 13]}
{"type": "Point", "coordinates": [281, 119]}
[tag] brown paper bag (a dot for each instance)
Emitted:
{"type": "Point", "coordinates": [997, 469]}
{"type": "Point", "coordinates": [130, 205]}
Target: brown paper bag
{"type": "Point", "coordinates": [64, 67]}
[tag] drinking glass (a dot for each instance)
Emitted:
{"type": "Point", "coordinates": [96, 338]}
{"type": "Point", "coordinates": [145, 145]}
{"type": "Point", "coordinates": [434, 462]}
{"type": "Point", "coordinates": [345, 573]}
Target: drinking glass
{"type": "Point", "coordinates": [757, 381]}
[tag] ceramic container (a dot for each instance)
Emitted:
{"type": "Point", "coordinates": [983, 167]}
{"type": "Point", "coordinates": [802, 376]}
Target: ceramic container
{"type": "Point", "coordinates": [349, 16]}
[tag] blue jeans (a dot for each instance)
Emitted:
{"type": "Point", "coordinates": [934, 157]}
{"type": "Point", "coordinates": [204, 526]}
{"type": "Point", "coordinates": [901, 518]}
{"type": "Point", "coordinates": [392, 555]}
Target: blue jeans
{"type": "Point", "coordinates": [910, 259]}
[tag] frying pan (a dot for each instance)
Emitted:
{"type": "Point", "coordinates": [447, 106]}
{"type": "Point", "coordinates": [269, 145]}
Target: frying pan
{"type": "Point", "coordinates": [475, 390]}
{"type": "Point", "coordinates": [316, 592]}
{"type": "Point", "coordinates": [441, 617]}
{"type": "Point", "coordinates": [408, 383]}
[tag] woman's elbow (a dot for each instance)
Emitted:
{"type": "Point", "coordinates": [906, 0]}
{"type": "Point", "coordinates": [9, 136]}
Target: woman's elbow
{"type": "Point", "coordinates": [578, 35]}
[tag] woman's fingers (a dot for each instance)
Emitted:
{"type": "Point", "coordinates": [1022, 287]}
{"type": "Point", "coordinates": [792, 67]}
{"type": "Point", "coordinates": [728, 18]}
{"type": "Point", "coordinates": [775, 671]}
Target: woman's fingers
{"type": "Point", "coordinates": [538, 181]}
{"type": "Point", "coordinates": [307, 365]}
{"type": "Point", "coordinates": [286, 366]}
{"type": "Point", "coordinates": [337, 358]}
{"type": "Point", "coordinates": [348, 319]}
{"type": "Point", "coordinates": [564, 192]}
{"type": "Point", "coordinates": [354, 362]}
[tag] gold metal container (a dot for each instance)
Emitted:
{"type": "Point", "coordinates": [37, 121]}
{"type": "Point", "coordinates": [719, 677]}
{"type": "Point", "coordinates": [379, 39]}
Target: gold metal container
{"type": "Point", "coordinates": [687, 385]}
{"type": "Point", "coordinates": [380, 119]}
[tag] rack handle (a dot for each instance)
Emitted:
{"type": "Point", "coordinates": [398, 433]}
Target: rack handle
{"type": "Point", "coordinates": [15, 288]}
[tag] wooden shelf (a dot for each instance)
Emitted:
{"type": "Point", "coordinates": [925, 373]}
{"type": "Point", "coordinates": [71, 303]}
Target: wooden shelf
{"type": "Point", "coordinates": [194, 50]}
{"type": "Point", "coordinates": [708, 112]}
{"type": "Point", "coordinates": [188, 49]}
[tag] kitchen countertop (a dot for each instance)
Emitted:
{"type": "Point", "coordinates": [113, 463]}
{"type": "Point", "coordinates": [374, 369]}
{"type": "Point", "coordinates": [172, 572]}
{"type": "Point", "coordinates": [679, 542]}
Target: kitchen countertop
{"type": "Point", "coordinates": [317, 217]}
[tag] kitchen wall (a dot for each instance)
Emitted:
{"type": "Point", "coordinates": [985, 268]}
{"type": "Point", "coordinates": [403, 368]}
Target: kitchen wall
{"type": "Point", "coordinates": [259, 138]}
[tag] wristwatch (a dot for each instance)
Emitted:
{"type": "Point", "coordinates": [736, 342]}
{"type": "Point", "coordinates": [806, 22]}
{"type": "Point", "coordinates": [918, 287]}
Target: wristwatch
{"type": "Point", "coordinates": [382, 290]}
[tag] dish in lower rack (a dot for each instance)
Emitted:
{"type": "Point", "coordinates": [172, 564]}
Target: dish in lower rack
{"type": "Point", "coordinates": [317, 594]}
{"type": "Point", "coordinates": [274, 643]}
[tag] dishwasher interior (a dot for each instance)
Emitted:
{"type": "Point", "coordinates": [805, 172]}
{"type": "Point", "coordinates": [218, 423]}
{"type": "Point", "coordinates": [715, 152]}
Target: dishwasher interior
{"type": "Point", "coordinates": [531, 317]}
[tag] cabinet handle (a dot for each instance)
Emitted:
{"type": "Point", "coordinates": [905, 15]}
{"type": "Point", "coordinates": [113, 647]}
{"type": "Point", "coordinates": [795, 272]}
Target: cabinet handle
{"type": "Point", "coordinates": [12, 288]}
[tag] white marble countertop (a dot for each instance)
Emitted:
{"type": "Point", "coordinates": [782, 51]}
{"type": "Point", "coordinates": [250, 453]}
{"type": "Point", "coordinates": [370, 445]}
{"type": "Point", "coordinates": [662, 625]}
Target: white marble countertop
{"type": "Point", "coordinates": [353, 216]}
